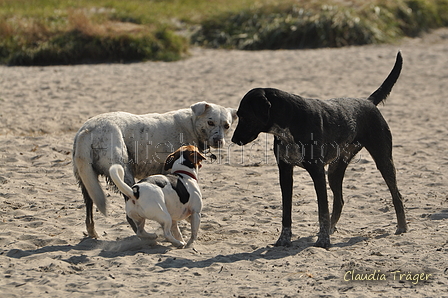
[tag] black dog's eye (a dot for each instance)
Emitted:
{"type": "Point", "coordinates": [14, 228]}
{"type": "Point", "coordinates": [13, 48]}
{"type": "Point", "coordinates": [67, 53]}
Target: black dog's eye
{"type": "Point", "coordinates": [211, 123]}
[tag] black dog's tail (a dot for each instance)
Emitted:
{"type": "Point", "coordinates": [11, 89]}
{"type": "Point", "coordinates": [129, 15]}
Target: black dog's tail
{"type": "Point", "coordinates": [383, 91]}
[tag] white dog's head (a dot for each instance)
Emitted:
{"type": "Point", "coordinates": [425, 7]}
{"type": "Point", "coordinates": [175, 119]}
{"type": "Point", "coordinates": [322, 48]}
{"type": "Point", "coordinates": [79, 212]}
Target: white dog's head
{"type": "Point", "coordinates": [212, 123]}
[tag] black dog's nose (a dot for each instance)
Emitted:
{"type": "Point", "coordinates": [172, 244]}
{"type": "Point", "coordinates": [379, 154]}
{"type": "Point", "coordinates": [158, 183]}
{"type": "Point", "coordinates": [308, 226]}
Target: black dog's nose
{"type": "Point", "coordinates": [237, 141]}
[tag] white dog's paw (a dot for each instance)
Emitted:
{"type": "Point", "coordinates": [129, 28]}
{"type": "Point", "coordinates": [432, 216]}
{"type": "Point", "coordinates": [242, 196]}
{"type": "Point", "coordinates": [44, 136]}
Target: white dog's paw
{"type": "Point", "coordinates": [190, 244]}
{"type": "Point", "coordinates": [179, 244]}
{"type": "Point", "coordinates": [146, 235]}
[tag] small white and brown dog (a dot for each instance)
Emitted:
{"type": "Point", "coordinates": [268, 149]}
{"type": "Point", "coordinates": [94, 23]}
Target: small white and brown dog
{"type": "Point", "coordinates": [166, 198]}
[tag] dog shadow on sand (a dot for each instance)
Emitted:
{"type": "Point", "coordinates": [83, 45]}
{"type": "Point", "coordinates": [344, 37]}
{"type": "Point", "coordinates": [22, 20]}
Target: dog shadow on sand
{"type": "Point", "coordinates": [107, 248]}
{"type": "Point", "coordinates": [269, 252]}
{"type": "Point", "coordinates": [132, 245]}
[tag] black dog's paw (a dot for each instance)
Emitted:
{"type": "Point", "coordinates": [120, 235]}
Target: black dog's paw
{"type": "Point", "coordinates": [283, 242]}
{"type": "Point", "coordinates": [401, 230]}
{"type": "Point", "coordinates": [285, 237]}
{"type": "Point", "coordinates": [323, 242]}
{"type": "Point", "coordinates": [333, 230]}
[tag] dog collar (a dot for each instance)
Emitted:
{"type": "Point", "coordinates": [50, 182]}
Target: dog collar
{"type": "Point", "coordinates": [186, 173]}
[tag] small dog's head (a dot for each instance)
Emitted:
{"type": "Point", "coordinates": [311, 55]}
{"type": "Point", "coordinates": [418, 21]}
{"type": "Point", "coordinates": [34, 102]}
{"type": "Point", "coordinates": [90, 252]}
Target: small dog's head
{"type": "Point", "coordinates": [189, 155]}
{"type": "Point", "coordinates": [253, 117]}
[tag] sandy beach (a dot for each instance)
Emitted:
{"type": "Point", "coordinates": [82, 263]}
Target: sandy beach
{"type": "Point", "coordinates": [43, 249]}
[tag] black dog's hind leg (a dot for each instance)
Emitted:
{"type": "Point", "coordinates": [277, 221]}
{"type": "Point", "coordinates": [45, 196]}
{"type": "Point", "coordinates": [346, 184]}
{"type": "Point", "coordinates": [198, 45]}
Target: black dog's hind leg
{"type": "Point", "coordinates": [317, 173]}
{"type": "Point", "coordinates": [336, 172]}
{"type": "Point", "coordinates": [286, 183]}
{"type": "Point", "coordinates": [335, 176]}
{"type": "Point", "coordinates": [385, 164]}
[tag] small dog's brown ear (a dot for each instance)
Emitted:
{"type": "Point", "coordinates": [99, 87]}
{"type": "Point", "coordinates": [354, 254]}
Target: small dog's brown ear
{"type": "Point", "coordinates": [171, 159]}
{"type": "Point", "coordinates": [201, 156]}
{"type": "Point", "coordinates": [196, 156]}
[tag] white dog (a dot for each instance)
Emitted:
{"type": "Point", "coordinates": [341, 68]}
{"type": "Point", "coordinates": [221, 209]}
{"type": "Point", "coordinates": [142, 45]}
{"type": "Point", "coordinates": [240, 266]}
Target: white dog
{"type": "Point", "coordinates": [140, 144]}
{"type": "Point", "coordinates": [166, 198]}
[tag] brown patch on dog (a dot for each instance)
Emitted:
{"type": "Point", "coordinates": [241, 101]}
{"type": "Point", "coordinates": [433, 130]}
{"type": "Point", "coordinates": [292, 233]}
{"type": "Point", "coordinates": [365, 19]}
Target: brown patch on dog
{"type": "Point", "coordinates": [189, 152]}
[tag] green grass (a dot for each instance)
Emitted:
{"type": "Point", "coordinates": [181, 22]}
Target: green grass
{"type": "Point", "coordinates": [316, 24]}
{"type": "Point", "coordinates": [45, 32]}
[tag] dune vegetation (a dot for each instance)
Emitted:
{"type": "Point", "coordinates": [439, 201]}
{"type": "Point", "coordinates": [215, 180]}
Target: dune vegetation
{"type": "Point", "coordinates": [46, 32]}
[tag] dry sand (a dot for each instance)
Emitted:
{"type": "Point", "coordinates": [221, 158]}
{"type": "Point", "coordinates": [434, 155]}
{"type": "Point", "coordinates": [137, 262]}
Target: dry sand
{"type": "Point", "coordinates": [43, 251]}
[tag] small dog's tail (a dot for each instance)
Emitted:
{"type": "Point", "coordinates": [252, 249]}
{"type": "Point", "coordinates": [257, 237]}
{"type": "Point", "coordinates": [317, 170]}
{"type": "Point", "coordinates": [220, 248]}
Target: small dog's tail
{"type": "Point", "coordinates": [116, 173]}
{"type": "Point", "coordinates": [383, 91]}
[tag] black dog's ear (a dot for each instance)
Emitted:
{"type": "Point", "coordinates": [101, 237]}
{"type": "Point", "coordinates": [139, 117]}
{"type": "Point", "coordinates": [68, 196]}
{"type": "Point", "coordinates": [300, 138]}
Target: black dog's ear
{"type": "Point", "coordinates": [262, 107]}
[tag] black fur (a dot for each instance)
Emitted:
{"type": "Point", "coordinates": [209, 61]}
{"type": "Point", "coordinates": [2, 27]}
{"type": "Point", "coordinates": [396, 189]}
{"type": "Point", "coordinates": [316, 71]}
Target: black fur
{"type": "Point", "coordinates": [136, 191]}
{"type": "Point", "coordinates": [179, 187]}
{"type": "Point", "coordinates": [174, 180]}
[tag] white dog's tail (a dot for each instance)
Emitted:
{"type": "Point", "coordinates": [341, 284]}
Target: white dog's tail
{"type": "Point", "coordinates": [84, 172]}
{"type": "Point", "coordinates": [116, 173]}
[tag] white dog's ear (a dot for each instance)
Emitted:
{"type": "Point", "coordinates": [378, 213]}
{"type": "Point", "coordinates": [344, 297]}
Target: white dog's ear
{"type": "Point", "coordinates": [199, 108]}
{"type": "Point", "coordinates": [233, 113]}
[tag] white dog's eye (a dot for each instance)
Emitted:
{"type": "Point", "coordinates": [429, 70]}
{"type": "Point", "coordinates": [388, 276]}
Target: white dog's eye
{"type": "Point", "coordinates": [211, 123]}
{"type": "Point", "coordinates": [226, 126]}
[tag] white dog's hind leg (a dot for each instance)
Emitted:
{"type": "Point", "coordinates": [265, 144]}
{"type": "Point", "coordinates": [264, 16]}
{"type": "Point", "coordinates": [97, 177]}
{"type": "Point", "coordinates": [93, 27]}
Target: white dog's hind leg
{"type": "Point", "coordinates": [175, 231]}
{"type": "Point", "coordinates": [141, 232]}
{"type": "Point", "coordinates": [137, 220]}
{"type": "Point", "coordinates": [165, 220]}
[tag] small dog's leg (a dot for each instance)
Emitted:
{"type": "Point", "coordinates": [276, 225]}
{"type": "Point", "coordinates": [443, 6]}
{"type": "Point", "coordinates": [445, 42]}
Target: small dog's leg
{"type": "Point", "coordinates": [141, 233]}
{"type": "Point", "coordinates": [170, 238]}
{"type": "Point", "coordinates": [175, 231]}
{"type": "Point", "coordinates": [195, 220]}
{"type": "Point", "coordinates": [164, 219]}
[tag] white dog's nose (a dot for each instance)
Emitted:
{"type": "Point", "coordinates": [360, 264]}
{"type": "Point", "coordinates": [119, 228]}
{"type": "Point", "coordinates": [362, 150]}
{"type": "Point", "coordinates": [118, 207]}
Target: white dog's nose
{"type": "Point", "coordinates": [218, 142]}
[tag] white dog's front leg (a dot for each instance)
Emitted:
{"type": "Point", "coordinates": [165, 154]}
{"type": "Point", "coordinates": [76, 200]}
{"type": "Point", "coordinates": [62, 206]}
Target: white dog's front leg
{"type": "Point", "coordinates": [195, 221]}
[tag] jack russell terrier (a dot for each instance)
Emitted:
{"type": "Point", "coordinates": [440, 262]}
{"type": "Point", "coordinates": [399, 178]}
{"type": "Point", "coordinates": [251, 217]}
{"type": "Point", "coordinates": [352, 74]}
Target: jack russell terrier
{"type": "Point", "coordinates": [166, 198]}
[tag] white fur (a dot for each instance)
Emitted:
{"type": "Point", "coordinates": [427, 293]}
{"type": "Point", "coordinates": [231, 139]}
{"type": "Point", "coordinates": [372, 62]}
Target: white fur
{"type": "Point", "coordinates": [140, 144]}
{"type": "Point", "coordinates": [162, 204]}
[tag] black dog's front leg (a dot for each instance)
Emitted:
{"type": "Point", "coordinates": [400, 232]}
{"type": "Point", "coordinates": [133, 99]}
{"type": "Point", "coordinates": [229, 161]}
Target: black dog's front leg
{"type": "Point", "coordinates": [286, 183]}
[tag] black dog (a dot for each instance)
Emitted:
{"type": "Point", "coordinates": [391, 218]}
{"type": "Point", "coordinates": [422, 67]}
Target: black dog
{"type": "Point", "coordinates": [312, 133]}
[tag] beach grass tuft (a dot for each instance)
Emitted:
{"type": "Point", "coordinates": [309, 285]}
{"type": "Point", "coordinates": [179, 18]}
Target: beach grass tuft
{"type": "Point", "coordinates": [46, 32]}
